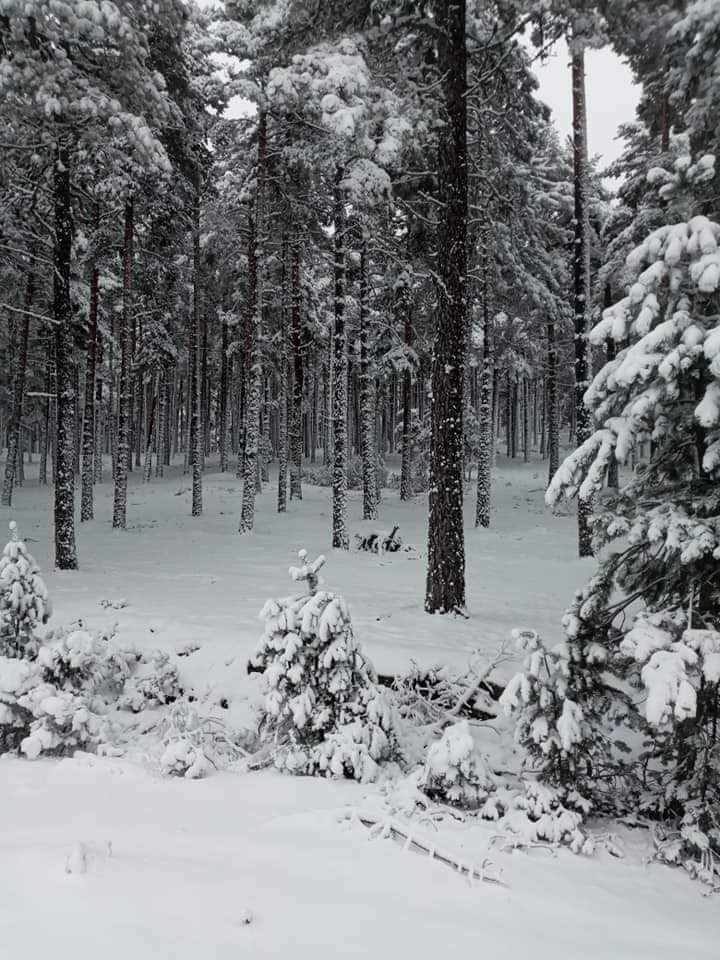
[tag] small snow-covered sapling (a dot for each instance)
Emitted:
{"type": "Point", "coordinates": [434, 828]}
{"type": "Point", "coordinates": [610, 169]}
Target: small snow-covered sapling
{"type": "Point", "coordinates": [308, 571]}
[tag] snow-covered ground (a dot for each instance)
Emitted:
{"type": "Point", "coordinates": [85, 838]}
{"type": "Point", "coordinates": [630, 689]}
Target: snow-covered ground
{"type": "Point", "coordinates": [174, 867]}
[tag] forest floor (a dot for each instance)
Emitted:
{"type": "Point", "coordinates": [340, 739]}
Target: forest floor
{"type": "Point", "coordinates": [176, 867]}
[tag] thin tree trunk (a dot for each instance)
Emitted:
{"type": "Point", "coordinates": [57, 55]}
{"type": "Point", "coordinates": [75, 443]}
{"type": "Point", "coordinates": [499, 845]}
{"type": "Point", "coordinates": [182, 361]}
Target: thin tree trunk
{"type": "Point", "coordinates": [445, 587]}
{"type": "Point", "coordinates": [150, 434]}
{"type": "Point", "coordinates": [195, 452]}
{"type": "Point", "coordinates": [296, 422]}
{"type": "Point", "coordinates": [340, 538]}
{"type": "Point", "coordinates": [88, 438]}
{"type": "Point", "coordinates": [580, 284]}
{"type": "Point", "coordinates": [124, 453]}
{"type": "Point", "coordinates": [553, 413]}
{"type": "Point", "coordinates": [64, 506]}
{"type": "Point", "coordinates": [406, 491]}
{"type": "Point", "coordinates": [162, 429]}
{"type": "Point", "coordinates": [283, 397]}
{"type": "Point", "coordinates": [367, 401]}
{"type": "Point", "coordinates": [224, 385]}
{"type": "Point", "coordinates": [13, 464]}
{"type": "Point", "coordinates": [45, 439]}
{"type": "Point", "coordinates": [485, 412]}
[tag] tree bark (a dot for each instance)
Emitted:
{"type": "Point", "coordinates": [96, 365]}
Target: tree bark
{"type": "Point", "coordinates": [340, 538]}
{"type": "Point", "coordinates": [296, 422]}
{"type": "Point", "coordinates": [14, 450]}
{"type": "Point", "coordinates": [553, 413]}
{"type": "Point", "coordinates": [254, 363]}
{"type": "Point", "coordinates": [485, 415]}
{"type": "Point", "coordinates": [195, 452]}
{"type": "Point", "coordinates": [581, 284]}
{"type": "Point", "coordinates": [64, 506]}
{"type": "Point", "coordinates": [89, 412]}
{"type": "Point", "coordinates": [445, 586]}
{"type": "Point", "coordinates": [124, 453]}
{"type": "Point", "coordinates": [367, 401]}
{"type": "Point", "coordinates": [224, 386]}
{"type": "Point", "coordinates": [406, 490]}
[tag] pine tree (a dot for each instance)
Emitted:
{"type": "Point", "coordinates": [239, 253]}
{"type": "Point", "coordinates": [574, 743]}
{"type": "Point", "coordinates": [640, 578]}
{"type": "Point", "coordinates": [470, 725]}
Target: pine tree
{"type": "Point", "coordinates": [24, 602]}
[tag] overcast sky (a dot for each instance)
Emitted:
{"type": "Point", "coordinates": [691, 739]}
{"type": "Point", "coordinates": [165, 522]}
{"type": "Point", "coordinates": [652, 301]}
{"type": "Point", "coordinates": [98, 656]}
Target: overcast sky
{"type": "Point", "coordinates": [611, 96]}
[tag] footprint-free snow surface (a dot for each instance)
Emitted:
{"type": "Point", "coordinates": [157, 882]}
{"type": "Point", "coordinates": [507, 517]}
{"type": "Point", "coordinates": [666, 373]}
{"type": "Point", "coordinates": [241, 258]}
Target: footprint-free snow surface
{"type": "Point", "coordinates": [103, 858]}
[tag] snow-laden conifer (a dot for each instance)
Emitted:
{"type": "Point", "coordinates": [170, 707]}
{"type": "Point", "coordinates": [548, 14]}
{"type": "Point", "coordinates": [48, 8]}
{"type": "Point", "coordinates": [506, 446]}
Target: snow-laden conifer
{"type": "Point", "coordinates": [322, 710]}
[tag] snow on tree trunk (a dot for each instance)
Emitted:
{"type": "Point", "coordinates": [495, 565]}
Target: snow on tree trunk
{"type": "Point", "coordinates": [254, 363]}
{"type": "Point", "coordinates": [296, 427]}
{"type": "Point", "coordinates": [283, 398]}
{"type": "Point", "coordinates": [583, 427]}
{"type": "Point", "coordinates": [224, 382]}
{"type": "Point", "coordinates": [367, 402]}
{"type": "Point", "coordinates": [445, 588]}
{"type": "Point", "coordinates": [151, 433]}
{"type": "Point", "coordinates": [195, 454]}
{"type": "Point", "coordinates": [162, 430]}
{"type": "Point", "coordinates": [122, 457]}
{"type": "Point", "coordinates": [89, 411]}
{"type": "Point", "coordinates": [64, 506]}
{"type": "Point", "coordinates": [14, 453]}
{"type": "Point", "coordinates": [487, 377]}
{"type": "Point", "coordinates": [340, 537]}
{"type": "Point", "coordinates": [553, 414]}
{"type": "Point", "coordinates": [45, 440]}
{"type": "Point", "coordinates": [406, 439]}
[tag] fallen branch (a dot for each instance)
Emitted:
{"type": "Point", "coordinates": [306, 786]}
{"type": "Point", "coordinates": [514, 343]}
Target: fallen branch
{"type": "Point", "coordinates": [385, 827]}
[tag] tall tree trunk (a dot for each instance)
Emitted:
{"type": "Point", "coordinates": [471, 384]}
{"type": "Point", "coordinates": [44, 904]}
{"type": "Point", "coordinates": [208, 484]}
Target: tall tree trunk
{"type": "Point", "coordinates": [445, 587]}
{"type": "Point", "coordinates": [124, 453]}
{"type": "Point", "coordinates": [162, 429]}
{"type": "Point", "coordinates": [296, 424]}
{"type": "Point", "coordinates": [340, 538]}
{"type": "Point", "coordinates": [13, 464]}
{"type": "Point", "coordinates": [485, 417]}
{"type": "Point", "coordinates": [254, 324]}
{"type": "Point", "coordinates": [367, 400]}
{"type": "Point", "coordinates": [224, 386]}
{"type": "Point", "coordinates": [613, 479]}
{"type": "Point", "coordinates": [150, 432]}
{"type": "Point", "coordinates": [553, 412]}
{"type": "Point", "coordinates": [64, 507]}
{"type": "Point", "coordinates": [525, 401]}
{"type": "Point", "coordinates": [195, 452]}
{"type": "Point", "coordinates": [406, 491]}
{"type": "Point", "coordinates": [45, 439]}
{"type": "Point", "coordinates": [90, 413]}
{"type": "Point", "coordinates": [581, 283]}
{"type": "Point", "coordinates": [283, 395]}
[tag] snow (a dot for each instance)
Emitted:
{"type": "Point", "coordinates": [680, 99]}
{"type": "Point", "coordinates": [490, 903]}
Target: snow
{"type": "Point", "coordinates": [173, 869]}
{"type": "Point", "coordinates": [111, 857]}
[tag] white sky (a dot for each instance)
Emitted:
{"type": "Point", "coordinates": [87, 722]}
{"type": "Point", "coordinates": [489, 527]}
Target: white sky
{"type": "Point", "coordinates": [611, 96]}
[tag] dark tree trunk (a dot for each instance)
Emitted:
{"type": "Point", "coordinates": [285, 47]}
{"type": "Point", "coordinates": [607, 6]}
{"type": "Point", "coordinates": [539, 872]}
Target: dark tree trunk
{"type": "Point", "coordinates": [340, 538]}
{"type": "Point", "coordinates": [45, 439]}
{"type": "Point", "coordinates": [485, 418]}
{"type": "Point", "coordinates": [254, 324]}
{"type": "Point", "coordinates": [13, 464]}
{"type": "Point", "coordinates": [124, 453]}
{"type": "Point", "coordinates": [553, 413]}
{"type": "Point", "coordinates": [64, 507]}
{"type": "Point", "coordinates": [283, 395]}
{"type": "Point", "coordinates": [89, 412]}
{"type": "Point", "coordinates": [367, 401]}
{"type": "Point", "coordinates": [406, 440]}
{"type": "Point", "coordinates": [195, 452]}
{"type": "Point", "coordinates": [296, 423]}
{"type": "Point", "coordinates": [445, 588]}
{"type": "Point", "coordinates": [581, 285]}
{"type": "Point", "coordinates": [224, 384]}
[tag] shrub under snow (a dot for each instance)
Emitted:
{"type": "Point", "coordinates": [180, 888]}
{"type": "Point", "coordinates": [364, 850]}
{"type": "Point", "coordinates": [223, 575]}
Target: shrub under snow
{"type": "Point", "coordinates": [455, 772]}
{"type": "Point", "coordinates": [323, 711]}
